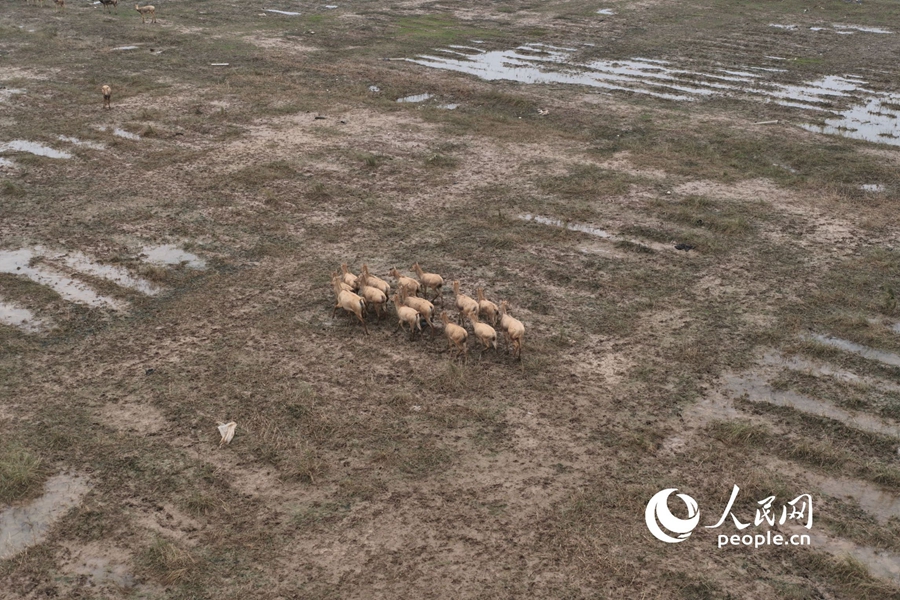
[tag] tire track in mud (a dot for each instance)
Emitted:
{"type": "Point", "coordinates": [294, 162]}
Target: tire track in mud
{"type": "Point", "coordinates": [719, 406]}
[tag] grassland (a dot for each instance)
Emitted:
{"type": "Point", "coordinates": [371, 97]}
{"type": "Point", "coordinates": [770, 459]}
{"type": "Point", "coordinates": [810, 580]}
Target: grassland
{"type": "Point", "coordinates": [374, 467]}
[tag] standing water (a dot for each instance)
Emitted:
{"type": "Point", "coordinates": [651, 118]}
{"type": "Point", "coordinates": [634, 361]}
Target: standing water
{"type": "Point", "coordinates": [848, 107]}
{"type": "Point", "coordinates": [33, 148]}
{"type": "Point", "coordinates": [24, 526]}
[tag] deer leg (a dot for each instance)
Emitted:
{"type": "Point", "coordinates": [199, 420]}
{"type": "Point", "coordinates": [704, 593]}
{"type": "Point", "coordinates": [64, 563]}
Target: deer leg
{"type": "Point", "coordinates": [363, 321]}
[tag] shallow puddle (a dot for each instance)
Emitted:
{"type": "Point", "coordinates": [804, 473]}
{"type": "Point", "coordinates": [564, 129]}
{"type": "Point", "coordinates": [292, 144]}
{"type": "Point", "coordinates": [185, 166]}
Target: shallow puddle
{"type": "Point", "coordinates": [118, 275]}
{"type": "Point", "coordinates": [797, 363]}
{"type": "Point", "coordinates": [33, 148]}
{"type": "Point", "coordinates": [864, 29]}
{"type": "Point", "coordinates": [19, 317]}
{"type": "Point", "coordinates": [596, 232]}
{"type": "Point", "coordinates": [756, 389]}
{"type": "Point", "coordinates": [170, 254]}
{"type": "Point", "coordinates": [24, 526]}
{"type": "Point", "coordinates": [78, 142]}
{"type": "Point", "coordinates": [873, 119]}
{"type": "Point", "coordinates": [126, 48]}
{"type": "Point", "coordinates": [5, 162]}
{"type": "Point", "coordinates": [283, 12]}
{"type": "Point", "coordinates": [570, 226]}
{"type": "Point", "coordinates": [881, 563]}
{"type": "Point", "coordinates": [17, 262]}
{"type": "Point", "coordinates": [6, 93]}
{"type": "Point", "coordinates": [606, 11]}
{"type": "Point", "coordinates": [467, 48]}
{"type": "Point", "coordinates": [858, 112]}
{"type": "Point", "coordinates": [888, 358]}
{"type": "Point", "coordinates": [538, 63]}
{"type": "Point", "coordinates": [872, 187]}
{"type": "Point", "coordinates": [880, 504]}
{"type": "Point", "coordinates": [416, 98]}
{"type": "Point", "coordinates": [125, 134]}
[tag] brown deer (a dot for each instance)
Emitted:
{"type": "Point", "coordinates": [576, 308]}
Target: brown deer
{"type": "Point", "coordinates": [145, 12]}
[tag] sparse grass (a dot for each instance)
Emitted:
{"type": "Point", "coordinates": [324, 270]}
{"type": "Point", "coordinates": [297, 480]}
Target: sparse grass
{"type": "Point", "coordinates": [695, 211]}
{"type": "Point", "coordinates": [818, 454]}
{"type": "Point", "coordinates": [861, 286]}
{"type": "Point", "coordinates": [441, 161]}
{"type": "Point", "coordinates": [586, 182]}
{"type": "Point", "coordinates": [199, 504]}
{"type": "Point", "coordinates": [166, 562]}
{"type": "Point", "coordinates": [848, 575]}
{"type": "Point", "coordinates": [740, 433]}
{"type": "Point", "coordinates": [373, 161]}
{"type": "Point", "coordinates": [308, 467]}
{"type": "Point", "coordinates": [435, 29]}
{"type": "Point", "coordinates": [319, 514]}
{"type": "Point", "coordinates": [542, 467]}
{"type": "Point", "coordinates": [261, 174]}
{"type": "Point", "coordinates": [21, 472]}
{"type": "Point", "coordinates": [848, 395]}
{"type": "Point", "coordinates": [636, 247]}
{"type": "Point", "coordinates": [821, 443]}
{"type": "Point", "coordinates": [849, 521]}
{"type": "Point", "coordinates": [8, 188]}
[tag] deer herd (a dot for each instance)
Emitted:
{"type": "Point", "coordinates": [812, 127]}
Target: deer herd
{"type": "Point", "coordinates": [358, 294]}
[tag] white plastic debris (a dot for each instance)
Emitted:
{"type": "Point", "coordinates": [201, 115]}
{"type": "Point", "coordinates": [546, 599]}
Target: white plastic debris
{"type": "Point", "coordinates": [227, 431]}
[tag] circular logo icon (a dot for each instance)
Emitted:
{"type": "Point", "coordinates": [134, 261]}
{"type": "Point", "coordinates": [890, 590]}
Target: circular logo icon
{"type": "Point", "coordinates": [658, 513]}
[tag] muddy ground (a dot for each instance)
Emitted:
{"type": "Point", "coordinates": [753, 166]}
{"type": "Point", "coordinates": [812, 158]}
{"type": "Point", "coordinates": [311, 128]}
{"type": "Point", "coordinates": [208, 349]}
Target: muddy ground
{"type": "Point", "coordinates": [690, 206]}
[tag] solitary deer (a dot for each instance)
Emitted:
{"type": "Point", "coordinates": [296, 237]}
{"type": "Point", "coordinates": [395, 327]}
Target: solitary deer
{"type": "Point", "coordinates": [145, 11]}
{"type": "Point", "coordinates": [107, 92]}
{"type": "Point", "coordinates": [106, 4]}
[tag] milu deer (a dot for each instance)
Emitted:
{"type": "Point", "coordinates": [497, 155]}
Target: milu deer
{"type": "Point", "coordinates": [145, 12]}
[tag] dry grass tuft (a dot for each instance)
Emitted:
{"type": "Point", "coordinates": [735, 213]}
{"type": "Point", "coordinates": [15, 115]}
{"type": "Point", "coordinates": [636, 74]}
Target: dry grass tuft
{"type": "Point", "coordinates": [21, 473]}
{"type": "Point", "coordinates": [167, 563]}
